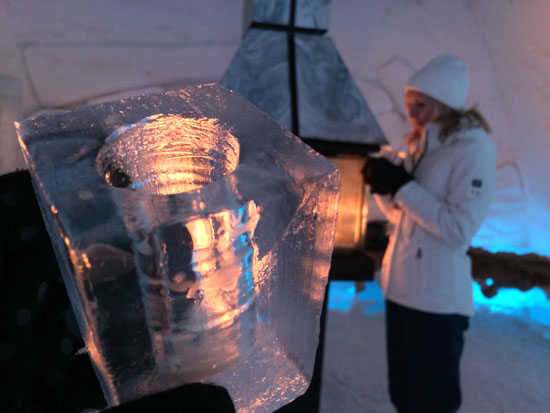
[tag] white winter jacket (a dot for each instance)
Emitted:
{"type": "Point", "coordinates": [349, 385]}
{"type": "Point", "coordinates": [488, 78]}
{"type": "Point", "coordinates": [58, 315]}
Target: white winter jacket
{"type": "Point", "coordinates": [433, 219]}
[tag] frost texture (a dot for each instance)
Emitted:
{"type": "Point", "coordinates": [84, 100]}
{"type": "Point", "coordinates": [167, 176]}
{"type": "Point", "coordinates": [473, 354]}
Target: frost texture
{"type": "Point", "coordinates": [194, 236]}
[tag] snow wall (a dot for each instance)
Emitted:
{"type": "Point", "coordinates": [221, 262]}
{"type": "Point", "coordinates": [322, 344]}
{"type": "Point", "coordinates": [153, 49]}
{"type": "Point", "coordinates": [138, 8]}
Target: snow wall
{"type": "Point", "coordinates": [62, 54]}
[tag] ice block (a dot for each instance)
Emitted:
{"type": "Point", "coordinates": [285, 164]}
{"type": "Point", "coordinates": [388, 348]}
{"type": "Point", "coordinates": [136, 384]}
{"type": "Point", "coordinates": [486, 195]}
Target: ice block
{"type": "Point", "coordinates": [194, 235]}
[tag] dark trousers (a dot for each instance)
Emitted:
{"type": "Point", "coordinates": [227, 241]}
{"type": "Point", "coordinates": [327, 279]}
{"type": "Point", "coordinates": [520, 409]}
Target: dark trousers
{"type": "Point", "coordinates": [424, 351]}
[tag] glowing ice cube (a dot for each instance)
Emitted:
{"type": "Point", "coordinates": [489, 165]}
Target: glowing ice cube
{"type": "Point", "coordinates": [194, 236]}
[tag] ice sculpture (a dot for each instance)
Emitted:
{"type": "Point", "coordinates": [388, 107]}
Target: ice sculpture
{"type": "Point", "coordinates": [285, 55]}
{"type": "Point", "coordinates": [194, 235]}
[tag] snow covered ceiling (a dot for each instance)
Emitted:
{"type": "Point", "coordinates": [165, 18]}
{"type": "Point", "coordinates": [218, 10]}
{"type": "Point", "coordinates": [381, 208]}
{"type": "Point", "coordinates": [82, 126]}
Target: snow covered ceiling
{"type": "Point", "coordinates": [65, 53]}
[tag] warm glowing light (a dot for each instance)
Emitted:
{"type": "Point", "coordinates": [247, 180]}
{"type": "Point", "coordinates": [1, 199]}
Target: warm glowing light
{"type": "Point", "coordinates": [86, 261]}
{"type": "Point", "coordinates": [201, 232]}
{"type": "Point", "coordinates": [222, 247]}
{"type": "Point", "coordinates": [350, 225]}
{"type": "Point", "coordinates": [168, 154]}
{"type": "Point", "coordinates": [96, 356]}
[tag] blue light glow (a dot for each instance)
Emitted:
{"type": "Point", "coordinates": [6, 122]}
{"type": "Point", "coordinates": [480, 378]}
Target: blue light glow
{"type": "Point", "coordinates": [343, 297]}
{"type": "Point", "coordinates": [138, 184]}
{"type": "Point", "coordinates": [532, 306]}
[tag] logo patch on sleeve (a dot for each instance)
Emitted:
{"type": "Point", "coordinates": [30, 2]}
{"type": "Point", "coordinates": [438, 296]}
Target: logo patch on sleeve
{"type": "Point", "coordinates": [475, 188]}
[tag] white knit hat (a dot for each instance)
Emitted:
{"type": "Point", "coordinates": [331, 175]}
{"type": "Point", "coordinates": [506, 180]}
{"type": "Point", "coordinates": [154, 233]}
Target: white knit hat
{"type": "Point", "coordinates": [445, 78]}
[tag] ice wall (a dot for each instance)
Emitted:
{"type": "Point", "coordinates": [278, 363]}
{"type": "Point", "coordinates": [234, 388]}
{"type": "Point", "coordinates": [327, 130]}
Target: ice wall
{"type": "Point", "coordinates": [391, 39]}
{"type": "Point", "coordinates": [516, 35]}
{"type": "Point", "coordinates": [67, 53]}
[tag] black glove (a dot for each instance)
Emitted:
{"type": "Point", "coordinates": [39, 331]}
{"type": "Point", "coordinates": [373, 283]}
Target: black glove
{"type": "Point", "coordinates": [384, 177]}
{"type": "Point", "coordinates": [367, 175]}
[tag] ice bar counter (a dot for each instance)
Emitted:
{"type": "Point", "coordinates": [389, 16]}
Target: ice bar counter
{"type": "Point", "coordinates": [194, 235]}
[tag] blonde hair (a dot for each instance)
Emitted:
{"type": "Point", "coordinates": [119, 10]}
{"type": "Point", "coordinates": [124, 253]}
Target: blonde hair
{"type": "Point", "coordinates": [451, 120]}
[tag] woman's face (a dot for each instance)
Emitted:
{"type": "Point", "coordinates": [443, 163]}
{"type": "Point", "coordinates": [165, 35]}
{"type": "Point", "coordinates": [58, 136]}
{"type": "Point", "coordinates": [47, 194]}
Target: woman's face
{"type": "Point", "coordinates": [421, 109]}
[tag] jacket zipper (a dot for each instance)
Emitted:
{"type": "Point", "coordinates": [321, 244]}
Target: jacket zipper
{"type": "Point", "coordinates": [418, 257]}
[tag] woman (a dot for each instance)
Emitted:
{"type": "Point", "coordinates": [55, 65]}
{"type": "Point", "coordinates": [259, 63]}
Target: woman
{"type": "Point", "coordinates": [435, 198]}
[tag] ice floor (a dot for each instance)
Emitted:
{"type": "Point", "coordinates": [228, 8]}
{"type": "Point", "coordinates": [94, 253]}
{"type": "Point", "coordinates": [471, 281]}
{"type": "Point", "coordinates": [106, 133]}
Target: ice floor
{"type": "Point", "coordinates": [505, 367]}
